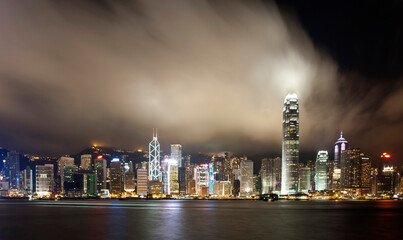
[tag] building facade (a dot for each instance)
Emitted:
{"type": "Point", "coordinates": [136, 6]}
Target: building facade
{"type": "Point", "coordinates": [142, 182]}
{"type": "Point", "coordinates": [322, 171]}
{"type": "Point", "coordinates": [340, 146]}
{"type": "Point", "coordinates": [62, 163]}
{"type": "Point", "coordinates": [86, 161]}
{"type": "Point", "coordinates": [246, 188]}
{"type": "Point", "coordinates": [44, 179]}
{"type": "Point", "coordinates": [12, 169]}
{"type": "Point", "coordinates": [270, 173]}
{"type": "Point", "coordinates": [100, 168]}
{"type": "Point", "coordinates": [116, 177]}
{"type": "Point", "coordinates": [305, 184]}
{"type": "Point", "coordinates": [154, 169]}
{"type": "Point", "coordinates": [290, 146]}
{"type": "Point", "coordinates": [355, 170]}
{"type": "Point", "coordinates": [201, 177]}
{"type": "Point", "coordinates": [176, 153]}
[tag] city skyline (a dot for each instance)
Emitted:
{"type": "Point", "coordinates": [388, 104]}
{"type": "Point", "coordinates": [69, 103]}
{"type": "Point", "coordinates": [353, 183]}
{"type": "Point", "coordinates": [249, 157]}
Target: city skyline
{"type": "Point", "coordinates": [55, 102]}
{"type": "Point", "coordinates": [104, 174]}
{"type": "Point", "coordinates": [201, 119]}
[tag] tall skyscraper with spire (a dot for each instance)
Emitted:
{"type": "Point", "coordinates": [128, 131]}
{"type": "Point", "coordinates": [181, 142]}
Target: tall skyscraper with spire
{"type": "Point", "coordinates": [339, 147]}
{"type": "Point", "coordinates": [154, 169]}
{"type": "Point", "coordinates": [290, 149]}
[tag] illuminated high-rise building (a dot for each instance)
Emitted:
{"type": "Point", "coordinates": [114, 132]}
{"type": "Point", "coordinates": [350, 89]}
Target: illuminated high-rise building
{"type": "Point", "coordinates": [246, 188]}
{"type": "Point", "coordinates": [27, 184]}
{"type": "Point", "coordinates": [142, 182]}
{"type": "Point", "coordinates": [339, 147]}
{"type": "Point", "coordinates": [155, 187]}
{"type": "Point", "coordinates": [189, 176]}
{"type": "Point", "coordinates": [270, 173]}
{"type": "Point", "coordinates": [173, 172]}
{"type": "Point", "coordinates": [12, 169]}
{"type": "Point", "coordinates": [227, 171]}
{"type": "Point", "coordinates": [116, 177]}
{"type": "Point", "coordinates": [176, 153]}
{"type": "Point", "coordinates": [386, 176]}
{"type": "Point", "coordinates": [305, 179]}
{"type": "Point", "coordinates": [154, 169]}
{"type": "Point", "coordinates": [86, 161]}
{"type": "Point", "coordinates": [71, 181]}
{"type": "Point", "coordinates": [165, 175]}
{"type": "Point", "coordinates": [211, 178]}
{"type": "Point", "coordinates": [130, 179]}
{"type": "Point", "coordinates": [44, 179]}
{"type": "Point", "coordinates": [201, 177]}
{"type": "Point", "coordinates": [322, 171]}
{"type": "Point", "coordinates": [290, 148]}
{"type": "Point", "coordinates": [222, 188]}
{"type": "Point", "coordinates": [62, 163]}
{"type": "Point", "coordinates": [355, 170]}
{"type": "Point", "coordinates": [182, 180]}
{"type": "Point", "coordinates": [100, 168]}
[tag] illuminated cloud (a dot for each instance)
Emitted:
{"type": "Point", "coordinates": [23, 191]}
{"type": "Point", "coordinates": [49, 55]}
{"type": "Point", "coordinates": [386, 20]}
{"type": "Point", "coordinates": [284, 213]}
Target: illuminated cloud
{"type": "Point", "coordinates": [209, 75]}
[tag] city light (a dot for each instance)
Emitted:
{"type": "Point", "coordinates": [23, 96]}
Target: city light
{"type": "Point", "coordinates": [134, 174]}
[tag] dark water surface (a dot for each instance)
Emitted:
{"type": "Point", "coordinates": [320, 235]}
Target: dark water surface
{"type": "Point", "coordinates": [200, 219]}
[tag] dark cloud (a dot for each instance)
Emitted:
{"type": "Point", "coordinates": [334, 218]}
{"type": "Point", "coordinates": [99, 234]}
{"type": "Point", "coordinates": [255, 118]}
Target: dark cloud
{"type": "Point", "coordinates": [211, 75]}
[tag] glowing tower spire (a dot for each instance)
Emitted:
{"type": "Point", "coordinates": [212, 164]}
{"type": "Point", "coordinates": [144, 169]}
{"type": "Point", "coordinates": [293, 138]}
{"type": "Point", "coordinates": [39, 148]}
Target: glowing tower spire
{"type": "Point", "coordinates": [154, 169]}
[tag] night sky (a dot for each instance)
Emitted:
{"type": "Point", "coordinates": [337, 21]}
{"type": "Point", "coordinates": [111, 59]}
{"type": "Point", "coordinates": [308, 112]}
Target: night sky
{"type": "Point", "coordinates": [211, 75]}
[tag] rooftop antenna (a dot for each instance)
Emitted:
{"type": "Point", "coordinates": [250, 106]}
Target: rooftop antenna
{"type": "Point", "coordinates": [154, 133]}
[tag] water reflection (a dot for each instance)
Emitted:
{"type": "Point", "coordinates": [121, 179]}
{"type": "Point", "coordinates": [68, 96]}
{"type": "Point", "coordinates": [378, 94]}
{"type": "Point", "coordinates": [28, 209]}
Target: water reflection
{"type": "Point", "coordinates": [174, 219]}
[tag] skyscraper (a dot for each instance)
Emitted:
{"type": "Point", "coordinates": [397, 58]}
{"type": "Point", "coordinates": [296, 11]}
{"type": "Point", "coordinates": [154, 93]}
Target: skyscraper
{"type": "Point", "coordinates": [142, 183]}
{"type": "Point", "coordinates": [173, 176]}
{"type": "Point", "coordinates": [322, 171]}
{"type": "Point", "coordinates": [305, 179]}
{"type": "Point", "coordinates": [290, 149]}
{"type": "Point", "coordinates": [130, 179]}
{"type": "Point", "coordinates": [27, 184]}
{"type": "Point", "coordinates": [86, 161]}
{"type": "Point", "coordinates": [62, 163]}
{"type": "Point", "coordinates": [211, 178]}
{"type": "Point", "coordinates": [246, 178]}
{"type": "Point", "coordinates": [155, 187]}
{"type": "Point", "coordinates": [227, 168]}
{"type": "Point", "coordinates": [100, 168]}
{"type": "Point", "coordinates": [182, 180]}
{"type": "Point", "coordinates": [339, 147]}
{"type": "Point", "coordinates": [201, 177]}
{"type": "Point", "coordinates": [385, 179]}
{"type": "Point", "coordinates": [116, 177]}
{"type": "Point", "coordinates": [70, 187]}
{"type": "Point", "coordinates": [44, 179]}
{"type": "Point", "coordinates": [165, 175]}
{"type": "Point", "coordinates": [12, 172]}
{"type": "Point", "coordinates": [270, 173]}
{"type": "Point", "coordinates": [176, 153]}
{"type": "Point", "coordinates": [154, 171]}
{"type": "Point", "coordinates": [355, 170]}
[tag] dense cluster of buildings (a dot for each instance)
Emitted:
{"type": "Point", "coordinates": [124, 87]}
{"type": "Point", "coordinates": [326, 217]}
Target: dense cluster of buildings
{"type": "Point", "coordinates": [99, 172]}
